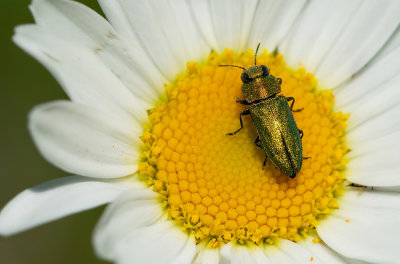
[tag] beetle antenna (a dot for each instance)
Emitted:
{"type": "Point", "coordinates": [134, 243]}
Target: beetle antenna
{"type": "Point", "coordinates": [232, 66]}
{"type": "Point", "coordinates": [255, 56]}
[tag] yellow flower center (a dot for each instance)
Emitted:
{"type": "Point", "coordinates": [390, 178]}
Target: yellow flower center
{"type": "Point", "coordinates": [215, 185]}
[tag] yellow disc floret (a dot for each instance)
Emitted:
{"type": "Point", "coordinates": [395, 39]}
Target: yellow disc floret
{"type": "Point", "coordinates": [214, 185]}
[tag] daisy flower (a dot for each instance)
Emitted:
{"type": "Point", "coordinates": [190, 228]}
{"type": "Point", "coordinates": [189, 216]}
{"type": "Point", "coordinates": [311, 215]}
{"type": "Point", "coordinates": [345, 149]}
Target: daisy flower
{"type": "Point", "coordinates": [150, 108]}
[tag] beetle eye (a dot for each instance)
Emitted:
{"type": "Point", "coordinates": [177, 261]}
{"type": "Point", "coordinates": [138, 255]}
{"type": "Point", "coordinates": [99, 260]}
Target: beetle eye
{"type": "Point", "coordinates": [246, 78]}
{"type": "Point", "coordinates": [265, 71]}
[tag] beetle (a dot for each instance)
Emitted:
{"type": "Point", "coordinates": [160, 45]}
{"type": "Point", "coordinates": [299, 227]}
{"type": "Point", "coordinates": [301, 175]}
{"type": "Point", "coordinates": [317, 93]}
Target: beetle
{"type": "Point", "coordinates": [272, 116]}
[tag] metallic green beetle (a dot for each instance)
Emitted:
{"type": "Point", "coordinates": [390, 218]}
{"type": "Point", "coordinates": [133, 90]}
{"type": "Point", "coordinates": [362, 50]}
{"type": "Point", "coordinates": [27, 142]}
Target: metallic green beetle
{"type": "Point", "coordinates": [277, 131]}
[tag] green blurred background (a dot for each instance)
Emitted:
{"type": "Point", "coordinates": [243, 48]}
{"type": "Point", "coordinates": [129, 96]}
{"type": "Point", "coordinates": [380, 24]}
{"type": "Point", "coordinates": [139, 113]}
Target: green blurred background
{"type": "Point", "coordinates": [24, 84]}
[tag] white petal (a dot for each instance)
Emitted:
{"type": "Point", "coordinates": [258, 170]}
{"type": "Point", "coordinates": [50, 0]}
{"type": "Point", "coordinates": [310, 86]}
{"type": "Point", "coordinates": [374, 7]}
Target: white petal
{"type": "Point", "coordinates": [288, 252]}
{"type": "Point", "coordinates": [272, 21]}
{"type": "Point", "coordinates": [202, 16]}
{"type": "Point", "coordinates": [162, 242]}
{"type": "Point", "coordinates": [133, 229]}
{"type": "Point", "coordinates": [75, 22]}
{"type": "Point", "coordinates": [374, 124]}
{"type": "Point", "coordinates": [365, 227]}
{"type": "Point", "coordinates": [392, 44]}
{"type": "Point", "coordinates": [206, 255]}
{"type": "Point", "coordinates": [314, 33]}
{"type": "Point", "coordinates": [375, 162]}
{"type": "Point", "coordinates": [232, 22]}
{"type": "Point", "coordinates": [335, 39]}
{"type": "Point", "coordinates": [378, 121]}
{"type": "Point", "coordinates": [358, 97]}
{"type": "Point", "coordinates": [238, 254]}
{"type": "Point", "coordinates": [165, 29]}
{"type": "Point", "coordinates": [80, 72]}
{"type": "Point", "coordinates": [361, 39]}
{"type": "Point", "coordinates": [243, 24]}
{"type": "Point", "coordinates": [131, 211]}
{"type": "Point", "coordinates": [56, 199]}
{"type": "Point", "coordinates": [324, 253]}
{"type": "Point", "coordinates": [85, 141]}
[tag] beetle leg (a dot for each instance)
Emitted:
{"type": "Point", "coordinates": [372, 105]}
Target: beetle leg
{"type": "Point", "coordinates": [245, 112]}
{"type": "Point", "coordinates": [279, 80]}
{"type": "Point", "coordinates": [304, 158]}
{"type": "Point", "coordinates": [291, 106]}
{"type": "Point", "coordinates": [243, 102]}
{"type": "Point", "coordinates": [301, 133]}
{"type": "Point", "coordinates": [257, 140]}
{"type": "Point", "coordinates": [265, 162]}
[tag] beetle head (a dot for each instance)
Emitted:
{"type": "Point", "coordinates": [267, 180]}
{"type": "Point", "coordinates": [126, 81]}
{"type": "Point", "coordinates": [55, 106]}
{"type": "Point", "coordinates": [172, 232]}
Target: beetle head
{"type": "Point", "coordinates": [258, 84]}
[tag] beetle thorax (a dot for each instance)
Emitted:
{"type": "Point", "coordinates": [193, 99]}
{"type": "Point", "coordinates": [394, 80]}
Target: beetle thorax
{"type": "Point", "coordinates": [260, 88]}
